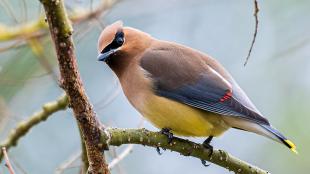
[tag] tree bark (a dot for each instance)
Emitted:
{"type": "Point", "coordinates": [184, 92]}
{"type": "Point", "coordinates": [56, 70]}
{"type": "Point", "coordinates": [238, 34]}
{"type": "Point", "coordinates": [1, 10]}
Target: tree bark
{"type": "Point", "coordinates": [117, 137]}
{"type": "Point", "coordinates": [70, 80]}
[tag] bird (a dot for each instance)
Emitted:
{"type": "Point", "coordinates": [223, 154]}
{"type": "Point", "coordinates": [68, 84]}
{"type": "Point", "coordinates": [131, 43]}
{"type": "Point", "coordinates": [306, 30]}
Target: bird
{"type": "Point", "coordinates": [180, 90]}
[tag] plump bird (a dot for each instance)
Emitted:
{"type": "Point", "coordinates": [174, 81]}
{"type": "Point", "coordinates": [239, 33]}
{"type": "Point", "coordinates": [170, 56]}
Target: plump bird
{"type": "Point", "coordinates": [179, 89]}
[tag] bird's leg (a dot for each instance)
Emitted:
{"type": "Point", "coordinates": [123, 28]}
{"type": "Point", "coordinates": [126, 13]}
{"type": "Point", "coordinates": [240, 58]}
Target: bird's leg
{"type": "Point", "coordinates": [166, 131]}
{"type": "Point", "coordinates": [158, 151]}
{"type": "Point", "coordinates": [207, 145]}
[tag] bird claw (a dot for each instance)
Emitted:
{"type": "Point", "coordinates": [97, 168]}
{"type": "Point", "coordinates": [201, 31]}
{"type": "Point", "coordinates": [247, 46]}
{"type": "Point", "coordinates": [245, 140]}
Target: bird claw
{"type": "Point", "coordinates": [206, 144]}
{"type": "Point", "coordinates": [204, 163]}
{"type": "Point", "coordinates": [158, 151]}
{"type": "Point", "coordinates": [166, 131]}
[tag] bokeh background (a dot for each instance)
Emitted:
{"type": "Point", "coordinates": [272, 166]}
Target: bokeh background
{"type": "Point", "coordinates": [277, 79]}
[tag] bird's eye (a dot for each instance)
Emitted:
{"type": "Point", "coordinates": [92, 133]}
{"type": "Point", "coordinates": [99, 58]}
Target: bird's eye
{"type": "Point", "coordinates": [119, 41]}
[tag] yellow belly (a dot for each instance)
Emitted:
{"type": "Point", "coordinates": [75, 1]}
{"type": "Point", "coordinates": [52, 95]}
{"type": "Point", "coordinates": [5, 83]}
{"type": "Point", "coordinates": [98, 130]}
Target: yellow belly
{"type": "Point", "coordinates": [182, 119]}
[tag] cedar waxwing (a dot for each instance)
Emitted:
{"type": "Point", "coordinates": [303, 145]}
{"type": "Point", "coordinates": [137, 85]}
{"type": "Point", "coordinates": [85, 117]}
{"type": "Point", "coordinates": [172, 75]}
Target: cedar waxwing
{"type": "Point", "coordinates": [180, 89]}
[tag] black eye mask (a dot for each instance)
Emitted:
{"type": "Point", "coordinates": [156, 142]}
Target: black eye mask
{"type": "Point", "coordinates": [117, 42]}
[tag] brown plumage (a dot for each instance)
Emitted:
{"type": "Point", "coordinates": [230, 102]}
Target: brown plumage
{"type": "Point", "coordinates": [179, 88]}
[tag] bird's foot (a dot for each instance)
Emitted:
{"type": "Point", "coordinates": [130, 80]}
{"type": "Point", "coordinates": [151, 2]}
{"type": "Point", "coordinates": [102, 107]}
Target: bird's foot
{"type": "Point", "coordinates": [166, 131]}
{"type": "Point", "coordinates": [204, 163]}
{"type": "Point", "coordinates": [158, 151]}
{"type": "Point", "coordinates": [207, 145]}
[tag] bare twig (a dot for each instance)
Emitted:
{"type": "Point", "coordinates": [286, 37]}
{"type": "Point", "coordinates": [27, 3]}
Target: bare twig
{"type": "Point", "coordinates": [38, 28]}
{"type": "Point", "coordinates": [47, 110]}
{"type": "Point", "coordinates": [19, 168]}
{"type": "Point", "coordinates": [38, 51]}
{"type": "Point", "coordinates": [121, 156]}
{"type": "Point", "coordinates": [7, 6]}
{"type": "Point", "coordinates": [92, 13]}
{"type": "Point", "coordinates": [113, 153]}
{"type": "Point", "coordinates": [109, 98]}
{"type": "Point", "coordinates": [7, 161]}
{"type": "Point", "coordinates": [126, 152]}
{"type": "Point", "coordinates": [293, 48]}
{"type": "Point", "coordinates": [256, 10]}
{"type": "Point", "coordinates": [16, 44]}
{"type": "Point", "coordinates": [25, 11]}
{"type": "Point", "coordinates": [68, 163]}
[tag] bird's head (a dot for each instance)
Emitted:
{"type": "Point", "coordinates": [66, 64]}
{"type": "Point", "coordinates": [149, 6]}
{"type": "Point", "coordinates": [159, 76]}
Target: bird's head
{"type": "Point", "coordinates": [117, 43]}
{"type": "Point", "coordinates": [111, 40]}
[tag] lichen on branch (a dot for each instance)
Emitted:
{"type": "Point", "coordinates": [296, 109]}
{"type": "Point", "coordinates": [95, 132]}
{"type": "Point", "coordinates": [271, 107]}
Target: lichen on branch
{"type": "Point", "coordinates": [70, 80]}
{"type": "Point", "coordinates": [117, 137]}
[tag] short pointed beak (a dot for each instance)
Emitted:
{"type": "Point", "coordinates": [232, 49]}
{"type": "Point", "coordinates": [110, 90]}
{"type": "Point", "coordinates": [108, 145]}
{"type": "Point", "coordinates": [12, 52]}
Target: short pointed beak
{"type": "Point", "coordinates": [104, 56]}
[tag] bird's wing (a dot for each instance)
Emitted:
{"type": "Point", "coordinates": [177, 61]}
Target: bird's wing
{"type": "Point", "coordinates": [182, 74]}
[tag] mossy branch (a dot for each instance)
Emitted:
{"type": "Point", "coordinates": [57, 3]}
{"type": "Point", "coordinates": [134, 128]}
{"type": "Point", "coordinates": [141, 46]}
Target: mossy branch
{"type": "Point", "coordinates": [117, 137]}
{"type": "Point", "coordinates": [61, 33]}
{"type": "Point", "coordinates": [23, 127]}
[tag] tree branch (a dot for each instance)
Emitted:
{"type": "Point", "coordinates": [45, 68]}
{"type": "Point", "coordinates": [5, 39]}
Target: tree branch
{"type": "Point", "coordinates": [7, 161]}
{"type": "Point", "coordinates": [38, 28]}
{"type": "Point", "coordinates": [117, 137]}
{"type": "Point", "coordinates": [84, 158]}
{"type": "Point", "coordinates": [23, 127]}
{"type": "Point", "coordinates": [256, 10]}
{"type": "Point", "coordinates": [61, 31]}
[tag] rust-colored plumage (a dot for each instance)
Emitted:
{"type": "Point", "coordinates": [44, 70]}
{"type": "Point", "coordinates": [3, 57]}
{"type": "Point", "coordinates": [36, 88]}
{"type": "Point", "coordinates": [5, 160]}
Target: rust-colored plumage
{"type": "Point", "coordinates": [179, 88]}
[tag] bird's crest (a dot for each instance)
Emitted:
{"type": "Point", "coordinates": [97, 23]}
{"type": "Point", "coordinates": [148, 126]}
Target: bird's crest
{"type": "Point", "coordinates": [108, 34]}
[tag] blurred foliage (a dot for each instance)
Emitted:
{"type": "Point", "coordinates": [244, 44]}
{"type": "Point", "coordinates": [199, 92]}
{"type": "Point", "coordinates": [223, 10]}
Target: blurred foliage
{"type": "Point", "coordinates": [22, 66]}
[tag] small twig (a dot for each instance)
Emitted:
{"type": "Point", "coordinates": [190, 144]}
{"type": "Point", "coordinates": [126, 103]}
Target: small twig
{"type": "Point", "coordinates": [256, 10]}
{"type": "Point", "coordinates": [6, 5]}
{"type": "Point", "coordinates": [7, 161]}
{"type": "Point", "coordinates": [110, 98]}
{"type": "Point", "coordinates": [38, 50]}
{"type": "Point", "coordinates": [113, 153]}
{"type": "Point", "coordinates": [19, 168]}
{"type": "Point", "coordinates": [23, 127]}
{"type": "Point", "coordinates": [24, 7]}
{"type": "Point", "coordinates": [92, 13]}
{"type": "Point", "coordinates": [126, 152]}
{"type": "Point", "coordinates": [293, 48]}
{"type": "Point", "coordinates": [16, 44]}
{"type": "Point", "coordinates": [67, 164]}
{"type": "Point", "coordinates": [39, 27]}
{"type": "Point", "coordinates": [121, 156]}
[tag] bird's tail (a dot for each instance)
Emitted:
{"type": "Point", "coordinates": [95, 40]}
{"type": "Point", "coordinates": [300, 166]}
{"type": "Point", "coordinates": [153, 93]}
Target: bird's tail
{"type": "Point", "coordinates": [277, 136]}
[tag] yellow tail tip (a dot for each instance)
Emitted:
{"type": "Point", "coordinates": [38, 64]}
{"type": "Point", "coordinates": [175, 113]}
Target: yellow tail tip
{"type": "Point", "coordinates": [291, 145]}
